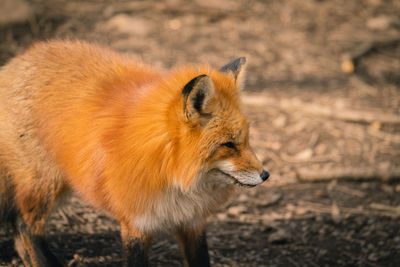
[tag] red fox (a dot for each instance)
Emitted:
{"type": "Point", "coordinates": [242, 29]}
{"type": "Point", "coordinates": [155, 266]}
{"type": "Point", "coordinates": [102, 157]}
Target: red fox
{"type": "Point", "coordinates": [159, 151]}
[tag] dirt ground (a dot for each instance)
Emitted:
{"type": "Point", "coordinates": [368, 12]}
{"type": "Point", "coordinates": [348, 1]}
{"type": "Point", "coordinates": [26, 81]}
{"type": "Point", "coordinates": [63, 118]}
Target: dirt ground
{"type": "Point", "coordinates": [323, 101]}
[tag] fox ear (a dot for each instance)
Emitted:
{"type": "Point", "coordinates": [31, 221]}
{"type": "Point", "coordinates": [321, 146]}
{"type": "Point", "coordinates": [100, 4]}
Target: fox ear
{"type": "Point", "coordinates": [236, 68]}
{"type": "Point", "coordinates": [197, 95]}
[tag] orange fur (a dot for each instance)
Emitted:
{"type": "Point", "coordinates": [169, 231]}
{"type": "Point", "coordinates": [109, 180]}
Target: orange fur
{"type": "Point", "coordinates": [114, 130]}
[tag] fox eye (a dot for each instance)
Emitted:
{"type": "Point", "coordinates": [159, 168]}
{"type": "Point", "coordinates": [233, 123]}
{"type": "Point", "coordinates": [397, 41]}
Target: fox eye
{"type": "Point", "coordinates": [230, 145]}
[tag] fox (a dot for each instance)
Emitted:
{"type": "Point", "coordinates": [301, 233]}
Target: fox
{"type": "Point", "coordinates": [159, 150]}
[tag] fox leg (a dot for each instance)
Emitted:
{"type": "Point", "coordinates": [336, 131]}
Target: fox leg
{"type": "Point", "coordinates": [34, 203]}
{"type": "Point", "coordinates": [32, 247]}
{"type": "Point", "coordinates": [194, 245]}
{"type": "Point", "coordinates": [136, 247]}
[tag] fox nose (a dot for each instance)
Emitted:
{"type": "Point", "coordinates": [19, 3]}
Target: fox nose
{"type": "Point", "coordinates": [264, 175]}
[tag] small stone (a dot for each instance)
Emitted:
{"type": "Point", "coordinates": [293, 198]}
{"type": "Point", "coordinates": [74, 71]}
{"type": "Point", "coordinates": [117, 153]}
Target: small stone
{"type": "Point", "coordinates": [175, 24]}
{"type": "Point", "coordinates": [236, 210]}
{"type": "Point", "coordinates": [279, 237]}
{"type": "Point", "coordinates": [305, 154]}
{"type": "Point", "coordinates": [373, 257]}
{"type": "Point", "coordinates": [335, 213]}
{"type": "Point", "coordinates": [221, 216]}
{"type": "Point", "coordinates": [347, 66]}
{"type": "Point", "coordinates": [288, 215]}
{"type": "Point", "coordinates": [380, 23]}
{"type": "Point", "coordinates": [376, 125]}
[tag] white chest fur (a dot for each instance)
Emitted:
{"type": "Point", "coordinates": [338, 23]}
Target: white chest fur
{"type": "Point", "coordinates": [176, 208]}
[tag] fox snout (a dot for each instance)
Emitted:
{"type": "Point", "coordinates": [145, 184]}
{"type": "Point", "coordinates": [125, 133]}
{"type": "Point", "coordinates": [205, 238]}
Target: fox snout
{"type": "Point", "coordinates": [264, 175]}
{"type": "Point", "coordinates": [242, 177]}
{"type": "Point", "coordinates": [249, 179]}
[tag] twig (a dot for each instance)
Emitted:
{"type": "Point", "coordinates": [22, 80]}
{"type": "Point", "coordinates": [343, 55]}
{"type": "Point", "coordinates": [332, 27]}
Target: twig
{"type": "Point", "coordinates": [383, 207]}
{"type": "Point", "coordinates": [315, 159]}
{"type": "Point", "coordinates": [350, 191]}
{"type": "Point", "coordinates": [305, 206]}
{"type": "Point", "coordinates": [310, 175]}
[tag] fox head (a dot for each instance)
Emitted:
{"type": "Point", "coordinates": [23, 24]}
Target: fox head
{"type": "Point", "coordinates": [215, 130]}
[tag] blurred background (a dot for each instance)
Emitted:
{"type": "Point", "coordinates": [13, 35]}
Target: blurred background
{"type": "Point", "coordinates": [323, 101]}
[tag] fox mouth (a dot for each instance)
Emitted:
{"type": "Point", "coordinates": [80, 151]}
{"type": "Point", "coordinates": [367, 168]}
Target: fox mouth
{"type": "Point", "coordinates": [236, 181]}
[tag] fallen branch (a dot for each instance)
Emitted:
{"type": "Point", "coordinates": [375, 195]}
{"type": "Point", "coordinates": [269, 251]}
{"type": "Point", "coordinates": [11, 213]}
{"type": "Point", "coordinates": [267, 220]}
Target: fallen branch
{"type": "Point", "coordinates": [334, 210]}
{"type": "Point", "coordinates": [365, 116]}
{"type": "Point", "coordinates": [303, 210]}
{"type": "Point", "coordinates": [382, 207]}
{"type": "Point", "coordinates": [311, 175]}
